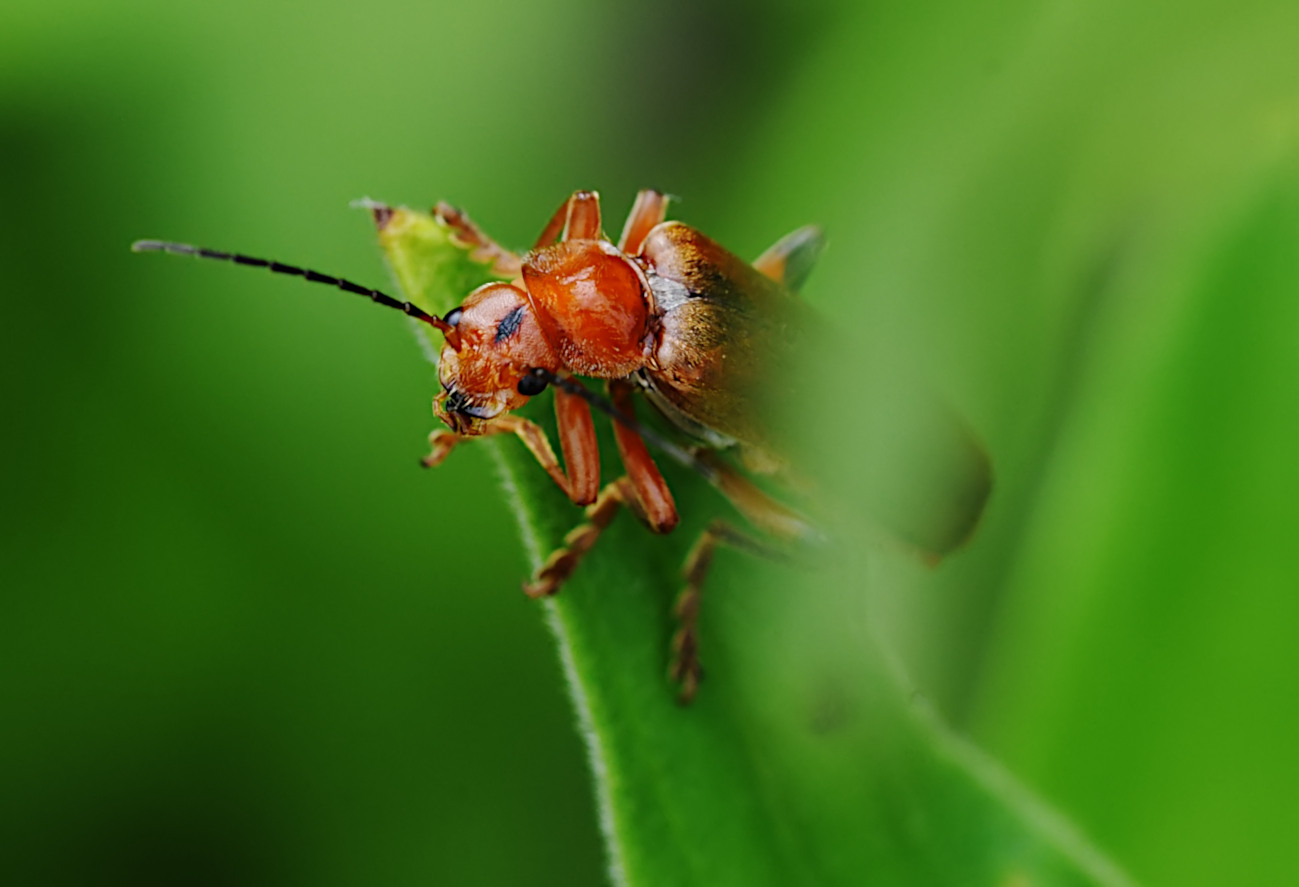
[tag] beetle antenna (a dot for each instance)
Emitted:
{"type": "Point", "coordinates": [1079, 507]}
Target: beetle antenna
{"type": "Point", "coordinates": [673, 450]}
{"type": "Point", "coordinates": [184, 249]}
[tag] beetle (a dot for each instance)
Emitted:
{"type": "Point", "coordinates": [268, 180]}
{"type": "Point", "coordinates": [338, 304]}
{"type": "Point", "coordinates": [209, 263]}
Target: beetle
{"type": "Point", "coordinates": [664, 311]}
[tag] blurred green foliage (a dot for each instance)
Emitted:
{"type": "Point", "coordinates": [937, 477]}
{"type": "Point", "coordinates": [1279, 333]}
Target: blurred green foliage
{"type": "Point", "coordinates": [243, 640]}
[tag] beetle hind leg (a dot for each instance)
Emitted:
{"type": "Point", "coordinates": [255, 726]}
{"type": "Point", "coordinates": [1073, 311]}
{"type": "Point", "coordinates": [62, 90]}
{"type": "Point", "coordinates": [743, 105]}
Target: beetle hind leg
{"type": "Point", "coordinates": [684, 669]}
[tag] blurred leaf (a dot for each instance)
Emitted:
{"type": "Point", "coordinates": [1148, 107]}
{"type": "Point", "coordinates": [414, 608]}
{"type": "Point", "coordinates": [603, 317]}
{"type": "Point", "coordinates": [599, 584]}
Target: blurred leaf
{"type": "Point", "coordinates": [1171, 500]}
{"type": "Point", "coordinates": [805, 759]}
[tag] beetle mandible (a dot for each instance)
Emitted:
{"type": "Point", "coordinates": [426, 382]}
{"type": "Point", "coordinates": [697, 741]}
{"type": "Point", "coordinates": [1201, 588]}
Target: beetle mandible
{"type": "Point", "coordinates": [664, 310]}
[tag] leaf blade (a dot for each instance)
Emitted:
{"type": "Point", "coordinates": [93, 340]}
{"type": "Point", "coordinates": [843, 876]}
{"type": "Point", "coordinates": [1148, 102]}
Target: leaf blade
{"type": "Point", "coordinates": [805, 759]}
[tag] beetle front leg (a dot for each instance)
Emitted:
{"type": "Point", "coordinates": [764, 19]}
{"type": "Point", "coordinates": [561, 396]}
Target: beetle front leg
{"type": "Point", "coordinates": [441, 442]}
{"type": "Point", "coordinates": [580, 482]}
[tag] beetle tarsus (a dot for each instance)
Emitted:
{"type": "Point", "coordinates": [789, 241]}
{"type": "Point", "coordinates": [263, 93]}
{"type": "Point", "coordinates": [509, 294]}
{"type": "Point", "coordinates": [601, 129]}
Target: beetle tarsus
{"type": "Point", "coordinates": [552, 574]}
{"type": "Point", "coordinates": [684, 669]}
{"type": "Point", "coordinates": [441, 442]}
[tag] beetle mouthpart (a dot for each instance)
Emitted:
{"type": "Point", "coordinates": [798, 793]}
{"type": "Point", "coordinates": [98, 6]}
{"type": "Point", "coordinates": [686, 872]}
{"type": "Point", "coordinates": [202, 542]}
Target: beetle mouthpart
{"type": "Point", "coordinates": [462, 415]}
{"type": "Point", "coordinates": [457, 422]}
{"type": "Point", "coordinates": [450, 416]}
{"type": "Point", "coordinates": [456, 402]}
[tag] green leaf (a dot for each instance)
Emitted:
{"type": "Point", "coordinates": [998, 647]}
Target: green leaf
{"type": "Point", "coordinates": [433, 271]}
{"type": "Point", "coordinates": [806, 758]}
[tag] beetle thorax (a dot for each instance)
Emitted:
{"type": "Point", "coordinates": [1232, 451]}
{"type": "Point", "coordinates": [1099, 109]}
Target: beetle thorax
{"type": "Point", "coordinates": [592, 304]}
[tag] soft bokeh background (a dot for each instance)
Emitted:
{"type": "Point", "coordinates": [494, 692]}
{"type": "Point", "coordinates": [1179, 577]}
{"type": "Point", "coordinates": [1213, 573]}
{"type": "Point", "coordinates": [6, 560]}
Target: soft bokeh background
{"type": "Point", "coordinates": [244, 640]}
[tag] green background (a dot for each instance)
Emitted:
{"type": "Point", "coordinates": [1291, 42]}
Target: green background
{"type": "Point", "coordinates": [243, 639]}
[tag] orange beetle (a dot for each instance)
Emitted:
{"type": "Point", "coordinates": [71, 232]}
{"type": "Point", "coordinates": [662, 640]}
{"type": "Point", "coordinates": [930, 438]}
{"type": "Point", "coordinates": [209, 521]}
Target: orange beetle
{"type": "Point", "coordinates": [665, 310]}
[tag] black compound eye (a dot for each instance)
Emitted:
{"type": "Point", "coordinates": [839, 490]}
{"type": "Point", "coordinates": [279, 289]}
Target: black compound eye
{"type": "Point", "coordinates": [453, 316]}
{"type": "Point", "coordinates": [532, 384]}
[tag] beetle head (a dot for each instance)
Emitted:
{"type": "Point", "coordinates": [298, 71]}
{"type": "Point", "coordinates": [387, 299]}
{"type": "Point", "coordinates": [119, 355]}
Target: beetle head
{"type": "Point", "coordinates": [485, 366]}
{"type": "Point", "coordinates": [493, 341]}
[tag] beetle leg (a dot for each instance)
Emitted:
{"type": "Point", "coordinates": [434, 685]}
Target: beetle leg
{"type": "Point", "coordinates": [581, 449]}
{"type": "Point", "coordinates": [684, 668]}
{"type": "Point", "coordinates": [576, 436]}
{"type": "Point", "coordinates": [579, 540]}
{"type": "Point", "coordinates": [757, 507]}
{"type": "Point", "coordinates": [583, 217]}
{"type": "Point", "coordinates": [789, 260]}
{"type": "Point", "coordinates": [760, 510]}
{"type": "Point", "coordinates": [642, 490]}
{"type": "Point", "coordinates": [550, 233]}
{"type": "Point", "coordinates": [534, 438]}
{"type": "Point", "coordinates": [504, 263]}
{"type": "Point", "coordinates": [652, 493]}
{"type": "Point", "coordinates": [578, 218]}
{"type": "Point", "coordinates": [441, 442]}
{"type": "Point", "coordinates": [650, 208]}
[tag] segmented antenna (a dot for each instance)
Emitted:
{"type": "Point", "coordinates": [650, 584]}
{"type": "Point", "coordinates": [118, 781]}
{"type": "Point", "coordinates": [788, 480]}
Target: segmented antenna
{"type": "Point", "coordinates": [567, 383]}
{"type": "Point", "coordinates": [184, 249]}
